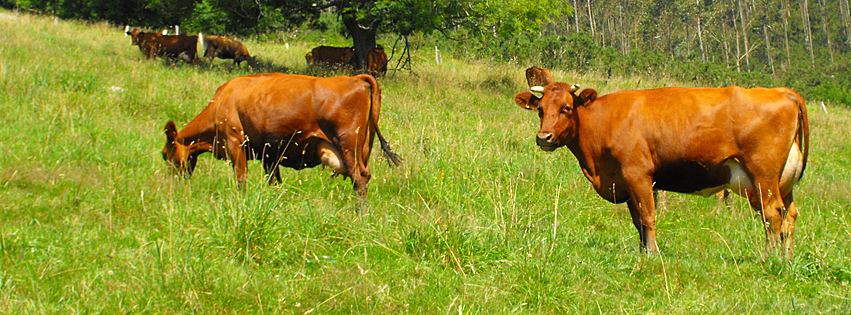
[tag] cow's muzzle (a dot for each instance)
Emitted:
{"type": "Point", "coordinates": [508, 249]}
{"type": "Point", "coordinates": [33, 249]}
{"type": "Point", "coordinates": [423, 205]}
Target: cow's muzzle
{"type": "Point", "coordinates": [546, 141]}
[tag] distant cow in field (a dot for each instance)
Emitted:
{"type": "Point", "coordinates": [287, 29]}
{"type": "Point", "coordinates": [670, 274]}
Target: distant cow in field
{"type": "Point", "coordinates": [147, 42]}
{"type": "Point", "coordinates": [537, 76]}
{"type": "Point", "coordinates": [222, 47]}
{"type": "Point", "coordinates": [328, 56]}
{"type": "Point", "coordinates": [286, 120]}
{"type": "Point", "coordinates": [182, 47]}
{"type": "Point", "coordinates": [170, 46]}
{"type": "Point", "coordinates": [691, 140]}
{"type": "Point", "coordinates": [376, 62]}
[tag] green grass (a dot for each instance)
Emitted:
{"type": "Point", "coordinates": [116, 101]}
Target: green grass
{"type": "Point", "coordinates": [476, 220]}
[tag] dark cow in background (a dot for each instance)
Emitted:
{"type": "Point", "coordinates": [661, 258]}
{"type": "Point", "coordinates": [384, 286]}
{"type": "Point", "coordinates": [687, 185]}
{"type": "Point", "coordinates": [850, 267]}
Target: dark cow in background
{"type": "Point", "coordinates": [184, 47]}
{"type": "Point", "coordinates": [376, 62]}
{"type": "Point", "coordinates": [170, 46]}
{"type": "Point", "coordinates": [290, 120]}
{"type": "Point", "coordinates": [691, 140]}
{"type": "Point", "coordinates": [537, 76]}
{"type": "Point", "coordinates": [222, 47]}
{"type": "Point", "coordinates": [328, 56]}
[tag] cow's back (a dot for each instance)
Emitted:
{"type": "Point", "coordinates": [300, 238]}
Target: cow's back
{"type": "Point", "coordinates": [281, 103]}
{"type": "Point", "coordinates": [689, 123]}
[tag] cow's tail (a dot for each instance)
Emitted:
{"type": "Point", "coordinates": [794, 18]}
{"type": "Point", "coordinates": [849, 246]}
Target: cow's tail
{"type": "Point", "coordinates": [803, 133]}
{"type": "Point", "coordinates": [374, 110]}
{"type": "Point", "coordinates": [201, 47]}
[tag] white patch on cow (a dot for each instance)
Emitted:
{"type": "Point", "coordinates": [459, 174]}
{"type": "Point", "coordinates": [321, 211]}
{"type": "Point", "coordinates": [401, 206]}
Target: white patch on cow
{"type": "Point", "coordinates": [738, 182]}
{"type": "Point", "coordinates": [185, 57]}
{"type": "Point", "coordinates": [165, 32]}
{"type": "Point", "coordinates": [792, 169]}
{"type": "Point", "coordinates": [330, 157]}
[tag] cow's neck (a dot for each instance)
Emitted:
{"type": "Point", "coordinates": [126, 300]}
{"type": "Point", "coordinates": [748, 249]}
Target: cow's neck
{"type": "Point", "coordinates": [582, 152]}
{"type": "Point", "coordinates": [198, 135]}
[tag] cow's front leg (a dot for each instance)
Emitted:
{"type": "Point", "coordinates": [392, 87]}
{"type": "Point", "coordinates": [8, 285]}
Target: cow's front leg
{"type": "Point", "coordinates": [641, 203]}
{"type": "Point", "coordinates": [237, 155]}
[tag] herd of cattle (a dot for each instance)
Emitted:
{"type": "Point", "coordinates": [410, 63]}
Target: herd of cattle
{"type": "Point", "coordinates": [186, 47]}
{"type": "Point", "coordinates": [753, 142]}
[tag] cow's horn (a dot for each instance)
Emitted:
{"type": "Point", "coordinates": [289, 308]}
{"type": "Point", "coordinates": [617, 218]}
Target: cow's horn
{"type": "Point", "coordinates": [574, 87]}
{"type": "Point", "coordinates": [537, 88]}
{"type": "Point", "coordinates": [126, 29]}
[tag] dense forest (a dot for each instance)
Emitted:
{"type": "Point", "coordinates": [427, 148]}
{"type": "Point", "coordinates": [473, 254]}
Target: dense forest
{"type": "Point", "coordinates": [804, 44]}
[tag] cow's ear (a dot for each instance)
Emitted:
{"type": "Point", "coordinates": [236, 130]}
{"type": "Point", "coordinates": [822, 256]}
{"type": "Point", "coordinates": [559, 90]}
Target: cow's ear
{"type": "Point", "coordinates": [170, 131]}
{"type": "Point", "coordinates": [527, 100]}
{"type": "Point", "coordinates": [585, 97]}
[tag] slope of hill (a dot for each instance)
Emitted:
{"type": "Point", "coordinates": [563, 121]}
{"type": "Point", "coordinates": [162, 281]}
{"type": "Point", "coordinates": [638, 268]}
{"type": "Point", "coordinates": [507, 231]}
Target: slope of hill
{"type": "Point", "coordinates": [477, 218]}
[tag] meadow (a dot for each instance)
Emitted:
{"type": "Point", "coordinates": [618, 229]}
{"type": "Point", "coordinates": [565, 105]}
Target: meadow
{"type": "Point", "coordinates": [476, 220]}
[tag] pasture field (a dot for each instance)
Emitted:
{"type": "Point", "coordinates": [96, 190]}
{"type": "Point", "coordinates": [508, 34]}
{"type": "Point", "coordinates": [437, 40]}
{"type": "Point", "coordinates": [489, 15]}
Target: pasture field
{"type": "Point", "coordinates": [477, 219]}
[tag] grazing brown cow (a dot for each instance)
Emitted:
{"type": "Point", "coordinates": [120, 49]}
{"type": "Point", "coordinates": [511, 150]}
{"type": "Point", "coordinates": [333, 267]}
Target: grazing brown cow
{"type": "Point", "coordinates": [216, 46]}
{"type": "Point", "coordinates": [698, 140]}
{"type": "Point", "coordinates": [537, 76]}
{"type": "Point", "coordinates": [290, 120]}
{"type": "Point", "coordinates": [327, 56]}
{"type": "Point", "coordinates": [376, 62]}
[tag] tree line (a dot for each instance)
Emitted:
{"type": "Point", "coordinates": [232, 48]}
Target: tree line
{"type": "Point", "coordinates": [805, 44]}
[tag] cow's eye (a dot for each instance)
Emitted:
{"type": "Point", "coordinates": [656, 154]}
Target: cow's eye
{"type": "Point", "coordinates": [565, 109]}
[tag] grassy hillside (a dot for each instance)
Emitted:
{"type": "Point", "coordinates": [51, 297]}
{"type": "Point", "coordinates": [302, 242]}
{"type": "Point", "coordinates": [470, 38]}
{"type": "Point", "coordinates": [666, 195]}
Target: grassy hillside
{"type": "Point", "coordinates": [476, 220]}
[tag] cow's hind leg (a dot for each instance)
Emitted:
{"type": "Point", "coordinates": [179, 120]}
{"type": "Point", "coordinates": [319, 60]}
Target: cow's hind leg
{"type": "Point", "coordinates": [354, 168]}
{"type": "Point", "coordinates": [787, 232]}
{"type": "Point", "coordinates": [273, 172]}
{"type": "Point", "coordinates": [765, 199]}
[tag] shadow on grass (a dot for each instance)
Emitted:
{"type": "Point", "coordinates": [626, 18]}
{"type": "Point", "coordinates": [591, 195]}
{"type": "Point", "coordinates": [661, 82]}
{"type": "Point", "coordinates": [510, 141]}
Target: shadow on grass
{"type": "Point", "coordinates": [258, 65]}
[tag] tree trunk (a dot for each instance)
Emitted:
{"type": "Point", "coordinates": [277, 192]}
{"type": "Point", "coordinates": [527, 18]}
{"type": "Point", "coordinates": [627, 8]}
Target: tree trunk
{"type": "Point", "coordinates": [744, 25]}
{"type": "Point", "coordinates": [591, 21]}
{"type": "Point", "coordinates": [824, 16]}
{"type": "Point", "coordinates": [576, 15]}
{"type": "Point", "coordinates": [738, 48]}
{"type": "Point", "coordinates": [726, 46]}
{"type": "Point", "coordinates": [785, 13]}
{"type": "Point", "coordinates": [805, 19]}
{"type": "Point", "coordinates": [624, 43]}
{"type": "Point", "coordinates": [846, 20]}
{"type": "Point", "coordinates": [363, 39]}
{"type": "Point", "coordinates": [768, 47]}
{"type": "Point", "coordinates": [700, 34]}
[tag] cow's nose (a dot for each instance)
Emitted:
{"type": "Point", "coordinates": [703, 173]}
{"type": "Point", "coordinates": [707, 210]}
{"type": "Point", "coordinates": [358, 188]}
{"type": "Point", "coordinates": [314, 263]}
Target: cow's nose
{"type": "Point", "coordinates": [545, 137]}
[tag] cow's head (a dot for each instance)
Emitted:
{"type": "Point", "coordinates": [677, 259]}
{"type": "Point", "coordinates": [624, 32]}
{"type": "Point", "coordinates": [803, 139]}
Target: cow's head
{"type": "Point", "coordinates": [177, 154]}
{"type": "Point", "coordinates": [557, 109]}
{"type": "Point", "coordinates": [134, 34]}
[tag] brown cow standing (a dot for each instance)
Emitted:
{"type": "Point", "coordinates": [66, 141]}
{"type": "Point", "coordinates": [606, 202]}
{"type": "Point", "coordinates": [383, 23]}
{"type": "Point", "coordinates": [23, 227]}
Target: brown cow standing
{"type": "Point", "coordinates": [291, 120]}
{"type": "Point", "coordinates": [170, 46]}
{"type": "Point", "coordinates": [376, 62]}
{"type": "Point", "coordinates": [699, 140]}
{"type": "Point", "coordinates": [183, 47]}
{"type": "Point", "coordinates": [147, 42]}
{"type": "Point", "coordinates": [222, 47]}
{"type": "Point", "coordinates": [537, 76]}
{"type": "Point", "coordinates": [328, 56]}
